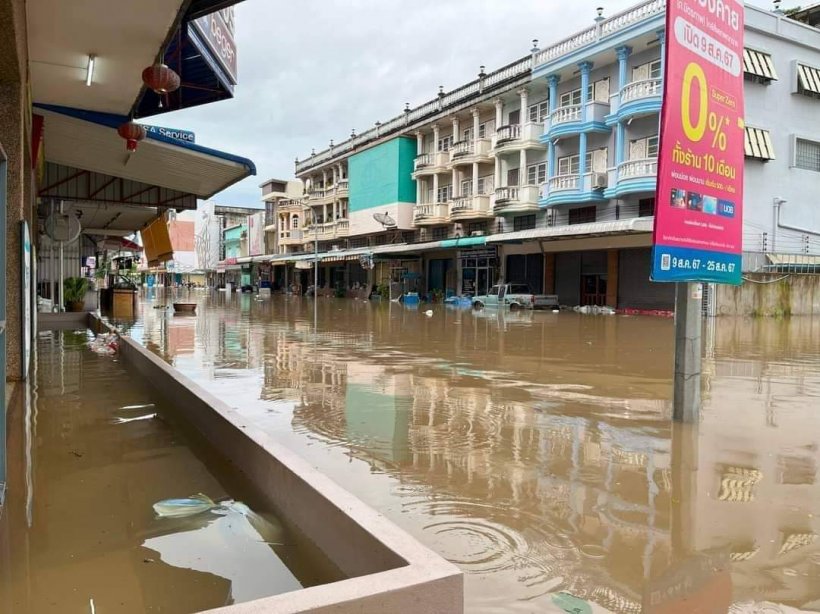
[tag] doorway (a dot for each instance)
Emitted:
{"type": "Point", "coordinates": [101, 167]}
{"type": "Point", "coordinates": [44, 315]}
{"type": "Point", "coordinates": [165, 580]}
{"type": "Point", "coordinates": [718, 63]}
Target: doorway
{"type": "Point", "coordinates": [593, 290]}
{"type": "Point", "coordinates": [477, 274]}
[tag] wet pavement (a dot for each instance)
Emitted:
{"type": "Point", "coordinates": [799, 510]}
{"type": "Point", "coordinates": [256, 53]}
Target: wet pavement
{"type": "Point", "coordinates": [91, 450]}
{"type": "Point", "coordinates": [535, 450]}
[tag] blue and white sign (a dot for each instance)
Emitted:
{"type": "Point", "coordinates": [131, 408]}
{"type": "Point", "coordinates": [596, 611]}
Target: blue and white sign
{"type": "Point", "coordinates": [171, 133]}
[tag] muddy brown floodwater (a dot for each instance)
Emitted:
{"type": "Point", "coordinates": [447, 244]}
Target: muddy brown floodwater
{"type": "Point", "coordinates": [535, 450]}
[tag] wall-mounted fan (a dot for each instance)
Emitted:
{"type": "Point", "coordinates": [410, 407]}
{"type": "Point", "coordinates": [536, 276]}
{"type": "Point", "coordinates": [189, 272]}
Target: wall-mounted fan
{"type": "Point", "coordinates": [62, 227]}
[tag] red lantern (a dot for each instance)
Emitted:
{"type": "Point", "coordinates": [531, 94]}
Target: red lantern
{"type": "Point", "coordinates": [161, 79]}
{"type": "Point", "coordinates": [132, 133]}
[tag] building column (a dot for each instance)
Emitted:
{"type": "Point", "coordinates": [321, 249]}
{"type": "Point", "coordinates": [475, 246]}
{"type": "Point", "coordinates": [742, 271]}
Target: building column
{"type": "Point", "coordinates": [334, 169]}
{"type": "Point", "coordinates": [476, 123]}
{"type": "Point", "coordinates": [324, 179]}
{"type": "Point", "coordinates": [612, 278]}
{"type": "Point", "coordinates": [552, 82]}
{"type": "Point", "coordinates": [662, 40]}
{"type": "Point", "coordinates": [418, 191]}
{"type": "Point", "coordinates": [620, 144]}
{"type": "Point", "coordinates": [499, 112]}
{"type": "Point", "coordinates": [419, 143]}
{"type": "Point", "coordinates": [435, 188]}
{"type": "Point", "coordinates": [586, 68]}
{"type": "Point", "coordinates": [456, 136]}
{"type": "Point", "coordinates": [497, 176]}
{"type": "Point", "coordinates": [523, 93]}
{"type": "Point", "coordinates": [522, 167]}
{"type": "Point", "coordinates": [475, 178]}
{"type": "Point", "coordinates": [582, 157]}
{"type": "Point", "coordinates": [436, 133]}
{"type": "Point", "coordinates": [623, 53]}
{"type": "Point", "coordinates": [456, 188]}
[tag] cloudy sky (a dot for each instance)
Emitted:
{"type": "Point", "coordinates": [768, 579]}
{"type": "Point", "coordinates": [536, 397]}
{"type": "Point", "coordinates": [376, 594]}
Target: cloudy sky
{"type": "Point", "coordinates": [311, 70]}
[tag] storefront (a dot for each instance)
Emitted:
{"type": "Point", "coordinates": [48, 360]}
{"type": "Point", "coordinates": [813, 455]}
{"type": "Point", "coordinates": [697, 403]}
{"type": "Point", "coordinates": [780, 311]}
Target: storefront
{"type": "Point", "coordinates": [479, 270]}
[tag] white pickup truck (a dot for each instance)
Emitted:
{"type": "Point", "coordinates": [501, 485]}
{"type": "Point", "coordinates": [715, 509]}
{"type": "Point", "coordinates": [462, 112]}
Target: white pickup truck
{"type": "Point", "coordinates": [515, 296]}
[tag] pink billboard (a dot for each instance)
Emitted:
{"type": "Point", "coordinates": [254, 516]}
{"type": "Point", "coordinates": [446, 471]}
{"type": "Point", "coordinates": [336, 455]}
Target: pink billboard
{"type": "Point", "coordinates": [698, 211]}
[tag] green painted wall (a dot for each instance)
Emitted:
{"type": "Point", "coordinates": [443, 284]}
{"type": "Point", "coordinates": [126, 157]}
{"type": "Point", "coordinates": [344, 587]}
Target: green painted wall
{"type": "Point", "coordinates": [382, 175]}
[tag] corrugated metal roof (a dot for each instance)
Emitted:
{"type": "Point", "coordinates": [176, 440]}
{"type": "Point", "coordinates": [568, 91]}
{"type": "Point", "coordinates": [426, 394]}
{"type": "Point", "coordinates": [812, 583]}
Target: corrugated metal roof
{"type": "Point", "coordinates": [638, 224]}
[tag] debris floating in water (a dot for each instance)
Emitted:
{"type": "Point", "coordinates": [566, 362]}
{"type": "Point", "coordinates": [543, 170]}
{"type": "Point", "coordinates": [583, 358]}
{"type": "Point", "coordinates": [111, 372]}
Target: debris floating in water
{"type": "Point", "coordinates": [571, 604]}
{"type": "Point", "coordinates": [180, 508]}
{"type": "Point", "coordinates": [91, 607]}
{"type": "Point", "coordinates": [105, 344]}
{"type": "Point", "coordinates": [120, 420]}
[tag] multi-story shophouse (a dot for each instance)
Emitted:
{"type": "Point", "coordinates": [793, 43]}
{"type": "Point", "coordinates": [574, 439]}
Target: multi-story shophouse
{"type": "Point", "coordinates": [545, 171]}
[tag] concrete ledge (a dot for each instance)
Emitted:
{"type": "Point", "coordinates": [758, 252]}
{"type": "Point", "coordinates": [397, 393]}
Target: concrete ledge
{"type": "Point", "coordinates": [62, 321]}
{"type": "Point", "coordinates": [387, 570]}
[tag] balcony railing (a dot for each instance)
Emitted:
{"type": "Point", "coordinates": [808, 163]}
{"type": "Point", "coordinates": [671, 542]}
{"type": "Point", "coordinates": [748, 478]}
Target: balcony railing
{"type": "Point", "coordinates": [563, 115]}
{"type": "Point", "coordinates": [460, 203]}
{"type": "Point", "coordinates": [342, 186]}
{"type": "Point", "coordinates": [516, 195]}
{"type": "Point", "coordinates": [424, 160]}
{"type": "Point", "coordinates": [504, 195]}
{"type": "Point", "coordinates": [563, 182]}
{"type": "Point", "coordinates": [644, 167]}
{"type": "Point", "coordinates": [462, 148]}
{"type": "Point", "coordinates": [637, 90]}
{"type": "Point", "coordinates": [508, 133]}
{"type": "Point", "coordinates": [425, 211]}
{"type": "Point", "coordinates": [472, 205]}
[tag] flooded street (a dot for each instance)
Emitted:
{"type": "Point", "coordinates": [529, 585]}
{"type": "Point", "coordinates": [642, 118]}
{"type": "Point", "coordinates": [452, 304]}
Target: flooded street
{"type": "Point", "coordinates": [92, 452]}
{"type": "Point", "coordinates": [535, 450]}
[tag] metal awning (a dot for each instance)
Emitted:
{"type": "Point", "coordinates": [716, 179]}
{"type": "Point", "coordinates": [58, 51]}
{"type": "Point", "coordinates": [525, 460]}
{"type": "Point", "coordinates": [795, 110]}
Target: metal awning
{"type": "Point", "coordinates": [758, 144]}
{"type": "Point", "coordinates": [88, 141]}
{"type": "Point", "coordinates": [808, 79]}
{"type": "Point", "coordinates": [759, 64]}
{"type": "Point", "coordinates": [464, 242]}
{"type": "Point", "coordinates": [633, 225]}
{"type": "Point", "coordinates": [405, 248]}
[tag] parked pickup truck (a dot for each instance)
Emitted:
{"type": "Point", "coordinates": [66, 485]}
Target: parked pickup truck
{"type": "Point", "coordinates": [515, 296]}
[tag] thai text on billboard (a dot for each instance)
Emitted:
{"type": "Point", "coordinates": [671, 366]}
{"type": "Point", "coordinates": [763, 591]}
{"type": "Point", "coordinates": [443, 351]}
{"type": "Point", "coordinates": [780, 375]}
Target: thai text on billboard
{"type": "Point", "coordinates": [698, 211]}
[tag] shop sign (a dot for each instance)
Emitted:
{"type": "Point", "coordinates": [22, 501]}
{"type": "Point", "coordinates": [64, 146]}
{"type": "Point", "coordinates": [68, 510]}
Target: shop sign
{"type": "Point", "coordinates": [230, 261]}
{"type": "Point", "coordinates": [698, 214]}
{"type": "Point", "coordinates": [478, 252]}
{"type": "Point", "coordinates": [172, 133]}
{"type": "Point", "coordinates": [217, 30]}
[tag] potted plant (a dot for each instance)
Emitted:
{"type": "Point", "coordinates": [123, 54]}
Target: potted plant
{"type": "Point", "coordinates": [74, 289]}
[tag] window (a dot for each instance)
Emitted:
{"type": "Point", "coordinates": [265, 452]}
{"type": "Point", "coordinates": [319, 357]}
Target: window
{"type": "Point", "coordinates": [646, 207]}
{"type": "Point", "coordinates": [493, 291]}
{"type": "Point", "coordinates": [569, 99]}
{"type": "Point", "coordinates": [476, 227]}
{"type": "Point", "coordinates": [445, 194]}
{"type": "Point", "coordinates": [439, 233]}
{"type": "Point", "coordinates": [807, 155]}
{"type": "Point", "coordinates": [537, 113]}
{"type": "Point", "coordinates": [467, 187]}
{"type": "Point", "coordinates": [650, 70]}
{"type": "Point", "coordinates": [485, 184]}
{"type": "Point", "coordinates": [358, 242]}
{"type": "Point", "coordinates": [483, 129]}
{"type": "Point", "coordinates": [598, 91]}
{"type": "Point", "coordinates": [646, 147]}
{"type": "Point", "coordinates": [537, 174]}
{"type": "Point", "coordinates": [524, 222]}
{"type": "Point", "coordinates": [445, 143]}
{"type": "Point", "coordinates": [512, 177]}
{"type": "Point", "coordinates": [380, 239]}
{"type": "Point", "coordinates": [808, 81]}
{"type": "Point", "coordinates": [758, 144]}
{"type": "Point", "coordinates": [515, 117]}
{"type": "Point", "coordinates": [582, 215]}
{"type": "Point", "coordinates": [758, 67]}
{"type": "Point", "coordinates": [571, 165]}
{"type": "Point", "coordinates": [294, 222]}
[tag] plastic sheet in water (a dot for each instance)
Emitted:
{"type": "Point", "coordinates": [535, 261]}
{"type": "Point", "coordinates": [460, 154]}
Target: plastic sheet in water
{"type": "Point", "coordinates": [181, 508]}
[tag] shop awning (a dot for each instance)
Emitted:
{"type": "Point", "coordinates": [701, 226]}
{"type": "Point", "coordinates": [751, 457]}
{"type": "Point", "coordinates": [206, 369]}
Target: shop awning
{"type": "Point", "coordinates": [405, 248]}
{"type": "Point", "coordinates": [633, 225]}
{"type": "Point", "coordinates": [464, 242]}
{"type": "Point", "coordinates": [120, 244]}
{"type": "Point", "coordinates": [794, 259]}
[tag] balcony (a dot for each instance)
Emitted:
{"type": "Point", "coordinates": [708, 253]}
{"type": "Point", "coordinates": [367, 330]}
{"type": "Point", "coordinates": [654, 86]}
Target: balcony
{"type": "Point", "coordinates": [327, 231]}
{"type": "Point", "coordinates": [636, 99]}
{"type": "Point", "coordinates": [290, 237]}
{"type": "Point", "coordinates": [633, 177]}
{"type": "Point", "coordinates": [518, 136]}
{"type": "Point", "coordinates": [514, 199]}
{"type": "Point", "coordinates": [431, 163]}
{"type": "Point", "coordinates": [468, 152]}
{"type": "Point", "coordinates": [321, 196]}
{"type": "Point", "coordinates": [576, 118]}
{"type": "Point", "coordinates": [429, 214]}
{"type": "Point", "coordinates": [470, 207]}
{"type": "Point", "coordinates": [575, 188]}
{"type": "Point", "coordinates": [343, 187]}
{"type": "Point", "coordinates": [292, 205]}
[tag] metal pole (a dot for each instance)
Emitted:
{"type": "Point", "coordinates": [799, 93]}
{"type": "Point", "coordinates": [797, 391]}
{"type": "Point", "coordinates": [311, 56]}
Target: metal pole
{"type": "Point", "coordinates": [688, 323]}
{"type": "Point", "coordinates": [316, 276]}
{"type": "Point", "coordinates": [61, 302]}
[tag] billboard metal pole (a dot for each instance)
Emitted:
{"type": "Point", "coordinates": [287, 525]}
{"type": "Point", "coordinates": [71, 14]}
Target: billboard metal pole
{"type": "Point", "coordinates": [688, 325]}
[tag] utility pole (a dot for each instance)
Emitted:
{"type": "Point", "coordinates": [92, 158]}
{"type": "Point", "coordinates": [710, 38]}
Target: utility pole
{"type": "Point", "coordinates": [688, 325]}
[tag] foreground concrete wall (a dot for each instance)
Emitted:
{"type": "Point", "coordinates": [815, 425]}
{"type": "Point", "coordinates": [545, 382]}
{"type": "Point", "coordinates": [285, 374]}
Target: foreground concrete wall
{"type": "Point", "coordinates": [388, 570]}
{"type": "Point", "coordinates": [771, 294]}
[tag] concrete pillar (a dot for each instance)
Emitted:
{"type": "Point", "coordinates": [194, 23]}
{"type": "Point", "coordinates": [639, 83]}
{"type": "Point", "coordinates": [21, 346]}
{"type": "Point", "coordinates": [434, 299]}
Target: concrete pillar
{"type": "Point", "coordinates": [335, 177]}
{"type": "Point", "coordinates": [497, 177]}
{"type": "Point", "coordinates": [456, 135]}
{"type": "Point", "coordinates": [662, 40]}
{"type": "Point", "coordinates": [522, 167]}
{"type": "Point", "coordinates": [476, 123]}
{"type": "Point", "coordinates": [549, 273]}
{"type": "Point", "coordinates": [586, 68]}
{"type": "Point", "coordinates": [550, 160]}
{"type": "Point", "coordinates": [436, 133]}
{"type": "Point", "coordinates": [523, 93]}
{"type": "Point", "coordinates": [419, 192]}
{"type": "Point", "coordinates": [419, 143]}
{"type": "Point", "coordinates": [620, 144]}
{"type": "Point", "coordinates": [324, 179]}
{"type": "Point", "coordinates": [582, 156]}
{"type": "Point", "coordinates": [612, 278]}
{"type": "Point", "coordinates": [688, 321]}
{"type": "Point", "coordinates": [435, 188]}
{"type": "Point", "coordinates": [552, 82]}
{"type": "Point", "coordinates": [499, 112]}
{"type": "Point", "coordinates": [456, 187]}
{"type": "Point", "coordinates": [475, 178]}
{"type": "Point", "coordinates": [623, 53]}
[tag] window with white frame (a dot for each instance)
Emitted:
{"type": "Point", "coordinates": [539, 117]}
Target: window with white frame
{"type": "Point", "coordinates": [467, 187]}
{"type": "Point", "coordinates": [646, 147]}
{"type": "Point", "coordinates": [445, 194]}
{"type": "Point", "coordinates": [807, 155]}
{"type": "Point", "coordinates": [485, 184]}
{"type": "Point", "coordinates": [538, 112]}
{"type": "Point", "coordinates": [571, 165]}
{"type": "Point", "coordinates": [483, 129]}
{"type": "Point", "coordinates": [537, 173]}
{"type": "Point", "coordinates": [597, 91]}
{"type": "Point", "coordinates": [649, 70]}
{"type": "Point", "coordinates": [467, 134]}
{"type": "Point", "coordinates": [570, 99]}
{"type": "Point", "coordinates": [445, 143]}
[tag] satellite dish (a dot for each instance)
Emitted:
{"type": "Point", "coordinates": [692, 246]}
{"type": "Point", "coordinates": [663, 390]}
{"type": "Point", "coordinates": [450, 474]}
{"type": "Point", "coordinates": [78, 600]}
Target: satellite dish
{"type": "Point", "coordinates": [385, 220]}
{"type": "Point", "coordinates": [62, 227]}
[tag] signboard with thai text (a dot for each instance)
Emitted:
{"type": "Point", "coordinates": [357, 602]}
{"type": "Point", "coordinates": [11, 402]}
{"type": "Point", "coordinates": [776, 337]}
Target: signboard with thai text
{"type": "Point", "coordinates": [698, 212]}
{"type": "Point", "coordinates": [217, 30]}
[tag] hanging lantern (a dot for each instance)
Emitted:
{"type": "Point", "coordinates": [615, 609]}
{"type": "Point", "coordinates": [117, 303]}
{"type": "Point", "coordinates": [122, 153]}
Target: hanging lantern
{"type": "Point", "coordinates": [132, 133]}
{"type": "Point", "coordinates": [161, 79]}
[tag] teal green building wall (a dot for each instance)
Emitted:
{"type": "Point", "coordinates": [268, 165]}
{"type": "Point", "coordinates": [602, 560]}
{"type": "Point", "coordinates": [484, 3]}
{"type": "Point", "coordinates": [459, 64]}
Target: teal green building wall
{"type": "Point", "coordinates": [382, 175]}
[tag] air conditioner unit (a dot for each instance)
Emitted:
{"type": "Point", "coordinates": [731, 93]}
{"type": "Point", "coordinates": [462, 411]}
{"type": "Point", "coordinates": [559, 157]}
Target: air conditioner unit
{"type": "Point", "coordinates": [477, 233]}
{"type": "Point", "coordinates": [599, 181]}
